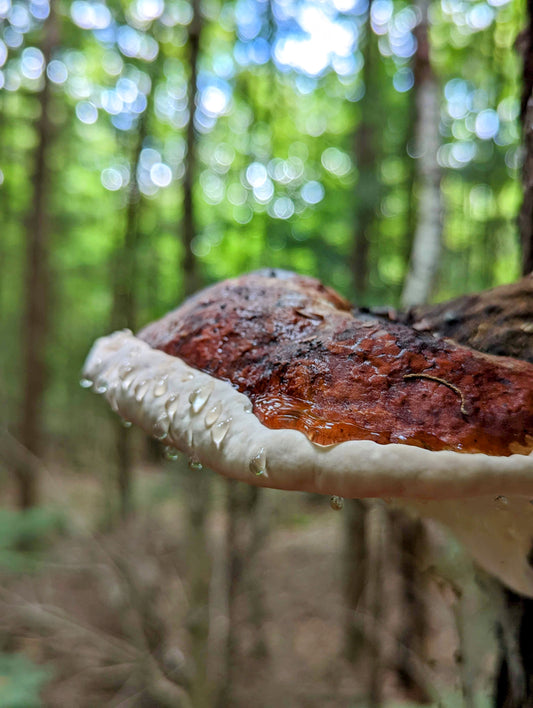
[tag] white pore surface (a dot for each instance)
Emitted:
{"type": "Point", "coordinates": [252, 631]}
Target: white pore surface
{"type": "Point", "coordinates": [484, 499]}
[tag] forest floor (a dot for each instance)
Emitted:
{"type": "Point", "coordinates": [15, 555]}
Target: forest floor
{"type": "Point", "coordinates": [102, 595]}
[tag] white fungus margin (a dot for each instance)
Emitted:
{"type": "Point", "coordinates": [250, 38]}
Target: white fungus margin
{"type": "Point", "coordinates": [486, 500]}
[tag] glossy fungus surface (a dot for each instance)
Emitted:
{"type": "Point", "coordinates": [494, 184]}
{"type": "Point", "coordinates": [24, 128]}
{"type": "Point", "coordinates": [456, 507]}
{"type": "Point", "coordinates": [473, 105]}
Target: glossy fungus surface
{"type": "Point", "coordinates": [308, 363]}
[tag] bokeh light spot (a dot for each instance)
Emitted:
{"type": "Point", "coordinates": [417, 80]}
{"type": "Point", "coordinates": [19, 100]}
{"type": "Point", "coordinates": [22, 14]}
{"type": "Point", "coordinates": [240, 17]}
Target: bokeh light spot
{"type": "Point", "coordinates": [57, 71]}
{"type": "Point", "coordinates": [161, 174]}
{"type": "Point", "coordinates": [336, 161]}
{"type": "Point", "coordinates": [312, 192]}
{"type": "Point", "coordinates": [86, 112]}
{"type": "Point", "coordinates": [487, 124]}
{"type": "Point", "coordinates": [32, 63]}
{"type": "Point", "coordinates": [111, 179]}
{"type": "Point", "coordinates": [256, 174]}
{"type": "Point", "coordinates": [283, 208]}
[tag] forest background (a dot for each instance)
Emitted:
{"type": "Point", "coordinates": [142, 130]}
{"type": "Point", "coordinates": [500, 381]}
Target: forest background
{"type": "Point", "coordinates": [148, 148]}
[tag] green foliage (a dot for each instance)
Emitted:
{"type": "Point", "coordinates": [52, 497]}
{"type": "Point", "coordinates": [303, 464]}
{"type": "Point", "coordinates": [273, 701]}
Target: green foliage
{"type": "Point", "coordinates": [450, 700]}
{"type": "Point", "coordinates": [21, 681]}
{"type": "Point", "coordinates": [24, 535]}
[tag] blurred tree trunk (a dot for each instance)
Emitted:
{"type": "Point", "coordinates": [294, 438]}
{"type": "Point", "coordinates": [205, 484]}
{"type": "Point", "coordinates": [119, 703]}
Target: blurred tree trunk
{"type": "Point", "coordinates": [410, 540]}
{"type": "Point", "coordinates": [526, 212]}
{"type": "Point", "coordinates": [426, 249]}
{"type": "Point", "coordinates": [5, 201]}
{"type": "Point", "coordinates": [365, 140]}
{"type": "Point", "coordinates": [191, 279]}
{"type": "Point", "coordinates": [246, 528]}
{"type": "Point", "coordinates": [196, 482]}
{"type": "Point", "coordinates": [235, 542]}
{"type": "Point", "coordinates": [354, 568]}
{"type": "Point", "coordinates": [411, 215]}
{"type": "Point", "coordinates": [377, 535]}
{"type": "Point", "coordinates": [37, 315]}
{"type": "Point", "coordinates": [198, 560]}
{"type": "Point", "coordinates": [124, 315]}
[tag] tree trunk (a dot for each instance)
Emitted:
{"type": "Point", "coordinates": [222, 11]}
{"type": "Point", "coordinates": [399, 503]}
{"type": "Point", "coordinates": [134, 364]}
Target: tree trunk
{"type": "Point", "coordinates": [198, 561]}
{"type": "Point", "coordinates": [354, 564]}
{"type": "Point", "coordinates": [526, 213]}
{"type": "Point", "coordinates": [235, 561]}
{"type": "Point", "coordinates": [411, 544]}
{"type": "Point", "coordinates": [243, 539]}
{"type": "Point", "coordinates": [36, 319]}
{"type": "Point", "coordinates": [497, 321]}
{"type": "Point", "coordinates": [125, 309]}
{"type": "Point", "coordinates": [427, 238]}
{"type": "Point", "coordinates": [5, 203]}
{"type": "Point", "coordinates": [376, 533]}
{"type": "Point", "coordinates": [191, 280]}
{"type": "Point", "coordinates": [368, 190]}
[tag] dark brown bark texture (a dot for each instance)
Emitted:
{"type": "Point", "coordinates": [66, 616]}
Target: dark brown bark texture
{"type": "Point", "coordinates": [525, 47]}
{"type": "Point", "coordinates": [307, 362]}
{"type": "Point", "coordinates": [189, 265]}
{"type": "Point", "coordinates": [497, 321]}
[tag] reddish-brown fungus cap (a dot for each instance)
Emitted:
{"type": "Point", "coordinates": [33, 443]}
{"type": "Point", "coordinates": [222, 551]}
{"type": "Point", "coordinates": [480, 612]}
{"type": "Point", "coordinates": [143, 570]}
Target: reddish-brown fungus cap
{"type": "Point", "coordinates": [295, 350]}
{"type": "Point", "coordinates": [270, 378]}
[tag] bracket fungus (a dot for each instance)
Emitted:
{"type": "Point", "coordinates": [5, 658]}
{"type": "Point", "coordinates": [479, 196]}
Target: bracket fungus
{"type": "Point", "coordinates": [273, 380]}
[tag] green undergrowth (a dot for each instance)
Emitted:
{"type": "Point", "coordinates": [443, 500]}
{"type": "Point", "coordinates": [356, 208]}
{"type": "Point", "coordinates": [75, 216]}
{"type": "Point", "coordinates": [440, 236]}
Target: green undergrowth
{"type": "Point", "coordinates": [21, 681]}
{"type": "Point", "coordinates": [25, 535]}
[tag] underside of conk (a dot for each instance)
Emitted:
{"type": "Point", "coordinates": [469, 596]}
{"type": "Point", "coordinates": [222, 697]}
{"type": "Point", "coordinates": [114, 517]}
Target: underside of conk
{"type": "Point", "coordinates": [275, 382]}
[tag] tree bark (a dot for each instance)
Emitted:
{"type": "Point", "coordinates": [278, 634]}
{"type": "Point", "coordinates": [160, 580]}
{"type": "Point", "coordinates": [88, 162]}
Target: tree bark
{"type": "Point", "coordinates": [376, 533]}
{"type": "Point", "coordinates": [410, 540]}
{"type": "Point", "coordinates": [242, 545]}
{"type": "Point", "coordinates": [36, 319]}
{"type": "Point", "coordinates": [354, 564]}
{"type": "Point", "coordinates": [125, 310]}
{"type": "Point", "coordinates": [368, 190]}
{"type": "Point", "coordinates": [427, 238]}
{"type": "Point", "coordinates": [497, 321]}
{"type": "Point", "coordinates": [191, 280]}
{"type": "Point", "coordinates": [525, 219]}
